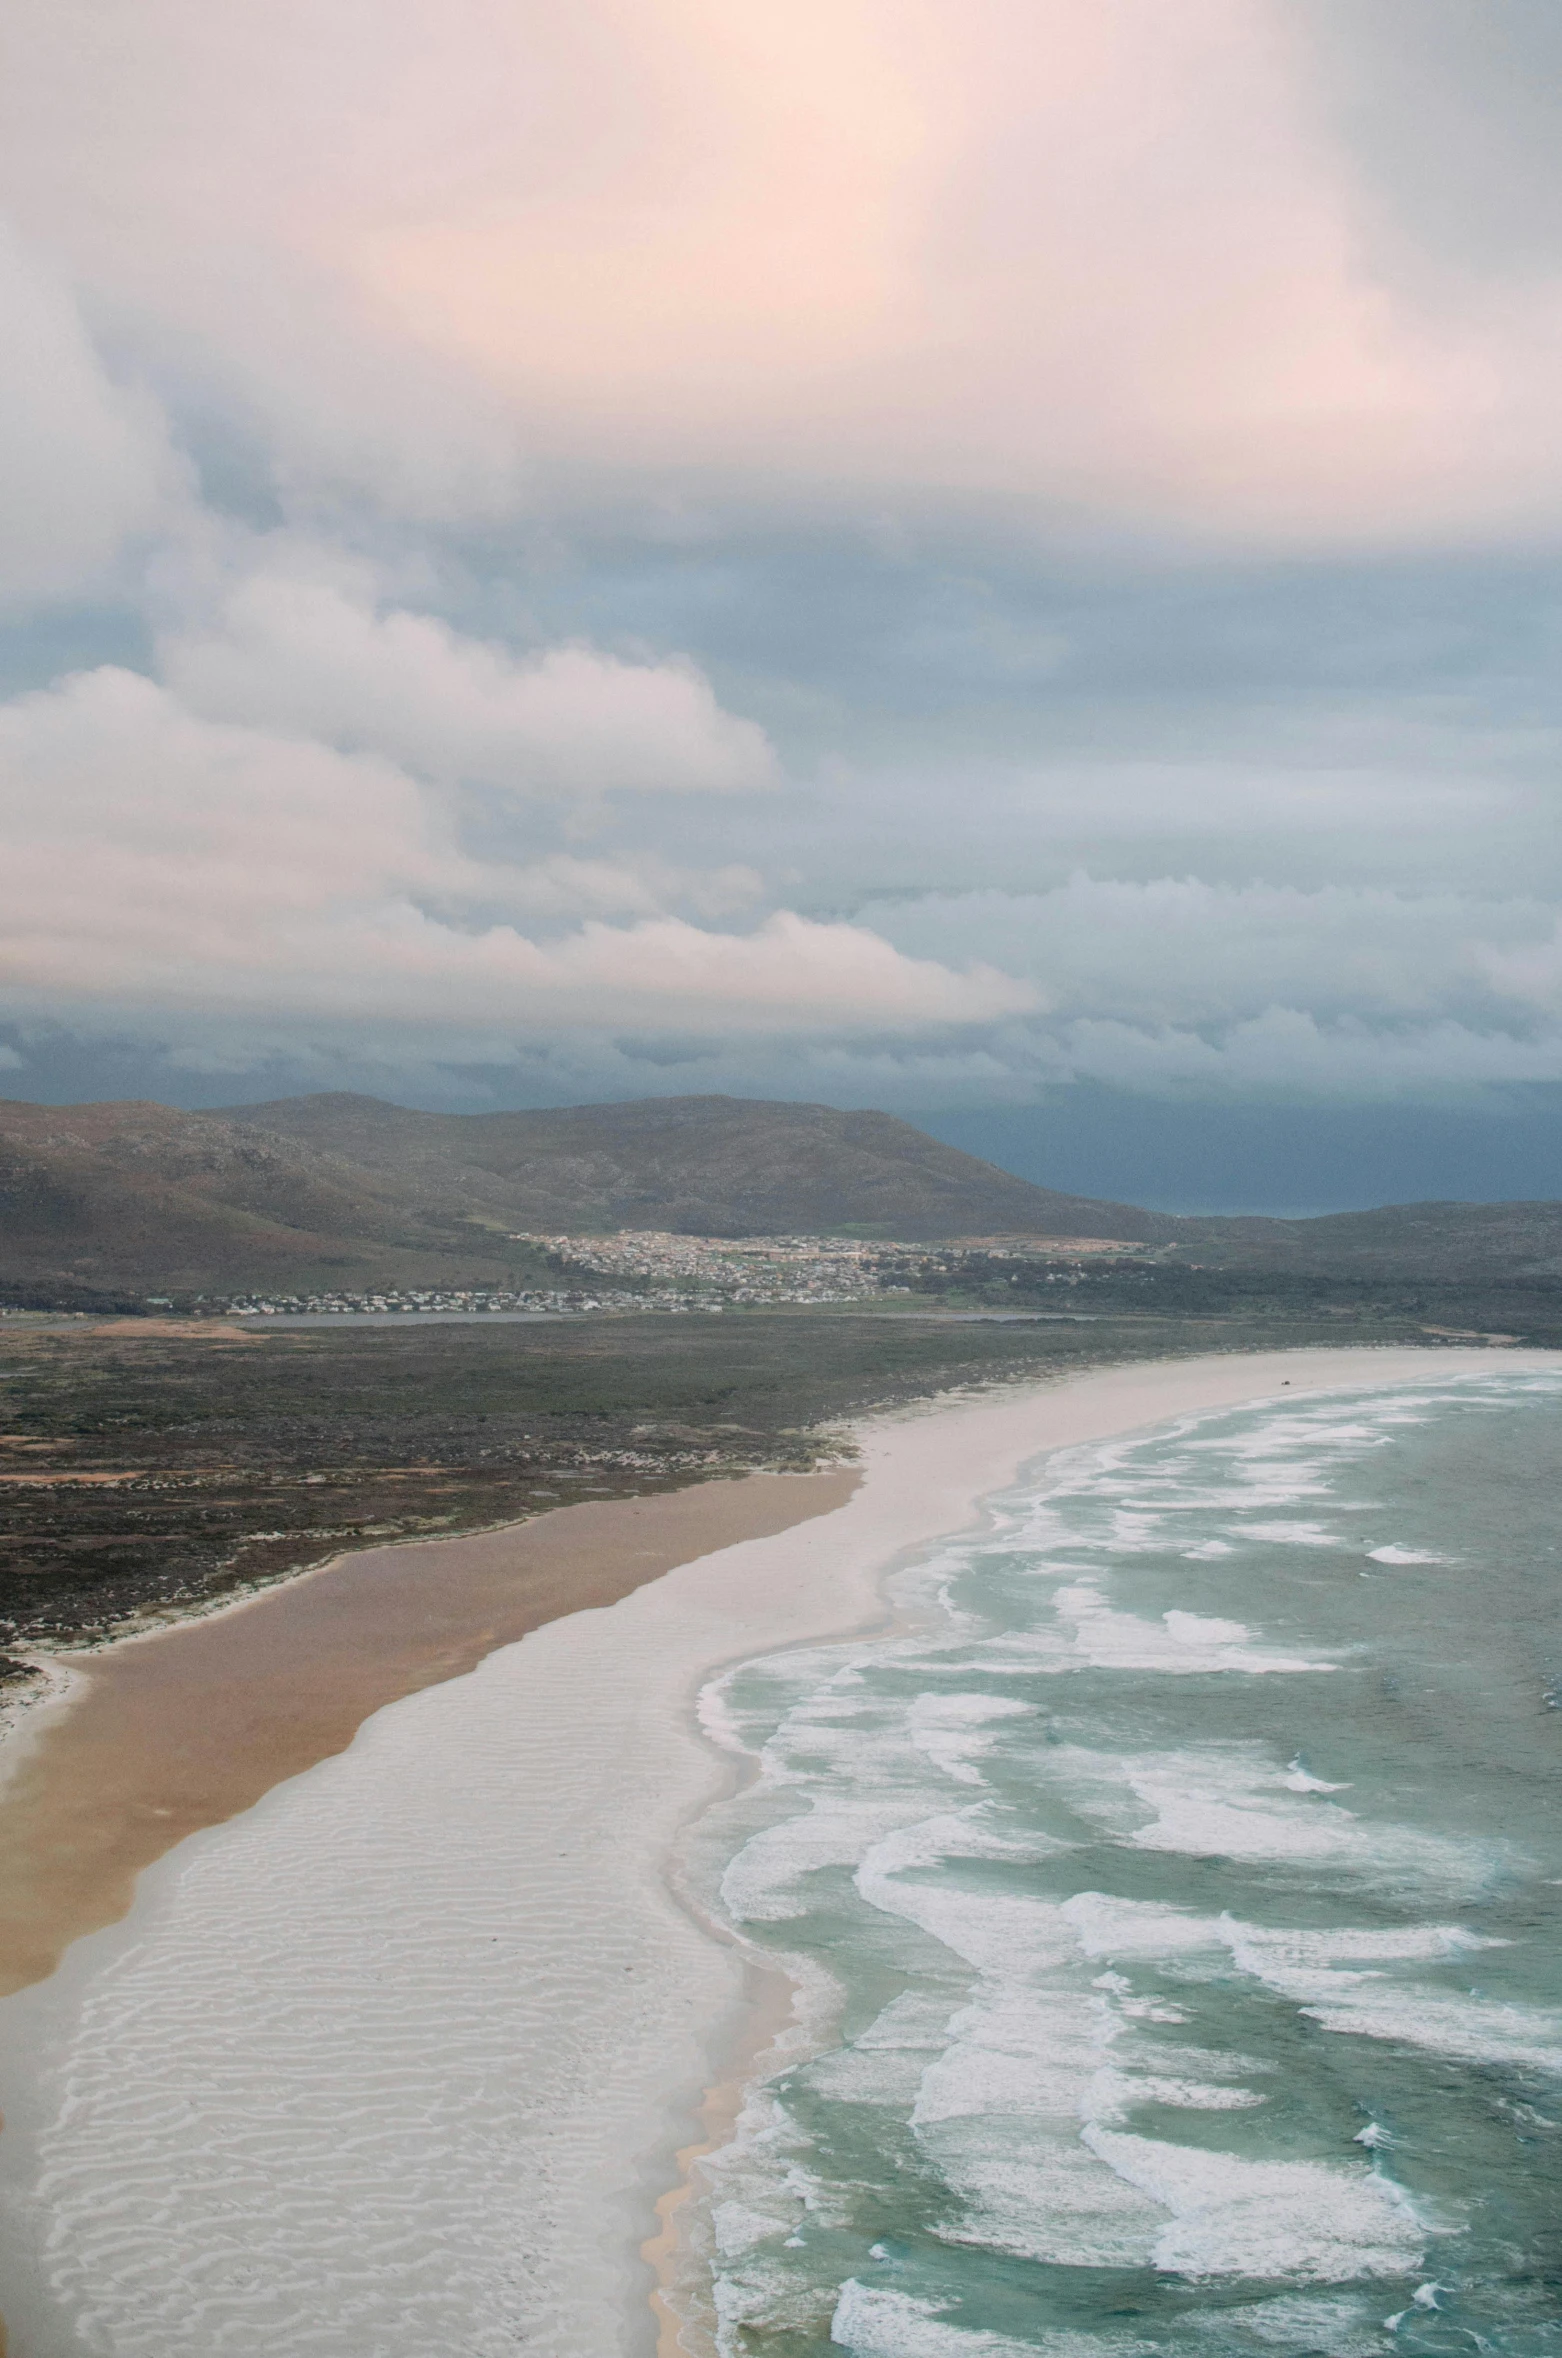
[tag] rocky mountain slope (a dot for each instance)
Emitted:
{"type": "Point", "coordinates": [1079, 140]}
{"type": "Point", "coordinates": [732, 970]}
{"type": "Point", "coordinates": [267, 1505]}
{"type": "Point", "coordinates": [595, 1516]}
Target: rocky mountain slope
{"type": "Point", "coordinates": [347, 1191]}
{"type": "Point", "coordinates": [350, 1192]}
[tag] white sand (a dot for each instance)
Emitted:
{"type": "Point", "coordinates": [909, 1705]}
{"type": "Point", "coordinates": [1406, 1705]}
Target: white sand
{"type": "Point", "coordinates": [396, 2063]}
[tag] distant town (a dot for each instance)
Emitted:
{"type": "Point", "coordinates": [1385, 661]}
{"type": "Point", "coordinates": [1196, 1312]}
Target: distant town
{"type": "Point", "coordinates": [651, 1269]}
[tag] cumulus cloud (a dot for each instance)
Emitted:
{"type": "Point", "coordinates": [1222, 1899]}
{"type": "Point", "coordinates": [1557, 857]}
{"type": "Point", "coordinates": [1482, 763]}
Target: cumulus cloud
{"type": "Point", "coordinates": [287, 652]}
{"type": "Point", "coordinates": [819, 342]}
{"type": "Point", "coordinates": [84, 464]}
{"type": "Point", "coordinates": [161, 859]}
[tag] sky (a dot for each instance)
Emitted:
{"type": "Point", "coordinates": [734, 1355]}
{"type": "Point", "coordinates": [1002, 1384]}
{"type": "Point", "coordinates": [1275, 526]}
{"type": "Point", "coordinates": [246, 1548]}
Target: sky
{"type": "Point", "coordinates": [997, 560]}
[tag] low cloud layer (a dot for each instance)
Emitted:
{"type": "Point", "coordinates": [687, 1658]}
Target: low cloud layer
{"type": "Point", "coordinates": [163, 861]}
{"type": "Point", "coordinates": [1183, 953]}
{"type": "Point", "coordinates": [912, 554]}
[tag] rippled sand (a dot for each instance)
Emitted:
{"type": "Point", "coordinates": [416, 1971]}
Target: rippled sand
{"type": "Point", "coordinates": [398, 2061]}
{"type": "Point", "coordinates": [162, 1735]}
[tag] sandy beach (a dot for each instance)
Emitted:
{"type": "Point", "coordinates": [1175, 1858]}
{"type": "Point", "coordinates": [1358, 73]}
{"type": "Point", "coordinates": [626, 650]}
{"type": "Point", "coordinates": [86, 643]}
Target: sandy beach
{"type": "Point", "coordinates": [423, 2020]}
{"type": "Point", "coordinates": [142, 1743]}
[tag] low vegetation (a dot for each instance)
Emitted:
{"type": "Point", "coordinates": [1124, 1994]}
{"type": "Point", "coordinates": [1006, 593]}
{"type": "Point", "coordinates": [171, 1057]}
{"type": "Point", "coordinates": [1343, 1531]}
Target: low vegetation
{"type": "Point", "coordinates": [732, 1278]}
{"type": "Point", "coordinates": [146, 1466]}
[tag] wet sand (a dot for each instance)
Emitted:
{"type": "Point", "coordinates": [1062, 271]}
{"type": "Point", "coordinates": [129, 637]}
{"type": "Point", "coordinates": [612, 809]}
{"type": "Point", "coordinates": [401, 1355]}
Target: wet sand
{"type": "Point", "coordinates": [164, 1734]}
{"type": "Point", "coordinates": [585, 2021]}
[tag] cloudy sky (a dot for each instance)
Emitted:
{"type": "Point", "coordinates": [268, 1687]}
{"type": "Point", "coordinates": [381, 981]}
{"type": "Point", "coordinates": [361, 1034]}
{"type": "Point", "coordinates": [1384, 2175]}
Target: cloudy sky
{"type": "Point", "coordinates": [997, 560]}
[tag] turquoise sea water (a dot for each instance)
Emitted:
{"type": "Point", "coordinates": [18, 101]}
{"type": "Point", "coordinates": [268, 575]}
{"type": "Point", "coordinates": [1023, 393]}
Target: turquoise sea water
{"type": "Point", "coordinates": [1177, 1898]}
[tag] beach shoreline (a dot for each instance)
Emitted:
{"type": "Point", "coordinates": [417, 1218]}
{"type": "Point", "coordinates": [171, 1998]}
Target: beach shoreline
{"type": "Point", "coordinates": [634, 2088]}
{"type": "Point", "coordinates": [135, 1745]}
{"type": "Point", "coordinates": [1094, 1406]}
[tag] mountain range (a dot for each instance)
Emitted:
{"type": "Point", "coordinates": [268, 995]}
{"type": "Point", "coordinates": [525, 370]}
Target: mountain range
{"type": "Point", "coordinates": [351, 1192]}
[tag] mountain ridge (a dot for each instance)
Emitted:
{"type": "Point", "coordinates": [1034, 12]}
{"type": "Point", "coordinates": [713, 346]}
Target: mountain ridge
{"type": "Point", "coordinates": [354, 1191]}
{"type": "Point", "coordinates": [348, 1190]}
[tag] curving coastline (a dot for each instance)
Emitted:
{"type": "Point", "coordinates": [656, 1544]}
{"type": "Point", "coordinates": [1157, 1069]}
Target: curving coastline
{"type": "Point", "coordinates": [155, 1737]}
{"type": "Point", "coordinates": [573, 1762]}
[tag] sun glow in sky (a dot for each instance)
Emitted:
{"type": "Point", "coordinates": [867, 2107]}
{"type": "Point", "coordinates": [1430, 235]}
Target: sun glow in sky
{"type": "Point", "coordinates": [906, 554]}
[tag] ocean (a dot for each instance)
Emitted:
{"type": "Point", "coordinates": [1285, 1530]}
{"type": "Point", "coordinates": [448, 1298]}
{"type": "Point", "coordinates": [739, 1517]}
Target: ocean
{"type": "Point", "coordinates": [1172, 1888]}
{"type": "Point", "coordinates": [1175, 1898]}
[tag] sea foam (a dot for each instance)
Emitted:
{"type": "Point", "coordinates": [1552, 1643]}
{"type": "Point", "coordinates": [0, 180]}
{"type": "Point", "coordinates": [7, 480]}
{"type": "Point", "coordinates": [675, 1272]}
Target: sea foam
{"type": "Point", "coordinates": [1067, 2076]}
{"type": "Point", "coordinates": [1236, 2217]}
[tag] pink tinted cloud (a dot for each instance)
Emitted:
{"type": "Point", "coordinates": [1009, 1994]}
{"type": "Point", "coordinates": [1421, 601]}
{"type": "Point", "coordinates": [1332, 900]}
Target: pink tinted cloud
{"type": "Point", "coordinates": [288, 651]}
{"type": "Point", "coordinates": [160, 860]}
{"type": "Point", "coordinates": [1094, 252]}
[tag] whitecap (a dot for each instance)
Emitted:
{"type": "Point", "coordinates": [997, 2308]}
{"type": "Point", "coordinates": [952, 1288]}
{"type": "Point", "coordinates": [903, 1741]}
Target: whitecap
{"type": "Point", "coordinates": [1305, 2321]}
{"type": "Point", "coordinates": [1471, 2030]}
{"type": "Point", "coordinates": [998, 1932]}
{"type": "Point", "coordinates": [1032, 2190]}
{"type": "Point", "coordinates": [1301, 1780]}
{"type": "Point", "coordinates": [1108, 1927]}
{"type": "Point", "coordinates": [884, 2324]}
{"type": "Point", "coordinates": [1269, 1950]}
{"type": "Point", "coordinates": [1286, 1534]}
{"type": "Point", "coordinates": [1322, 2222]}
{"type": "Point", "coordinates": [1115, 2094]}
{"type": "Point", "coordinates": [1232, 1802]}
{"type": "Point", "coordinates": [739, 2229]}
{"type": "Point", "coordinates": [953, 1730]}
{"type": "Point", "coordinates": [768, 1880]}
{"type": "Point", "coordinates": [1336, 1979]}
{"type": "Point", "coordinates": [718, 1721]}
{"type": "Point", "coordinates": [1028, 2055]}
{"type": "Point", "coordinates": [884, 2064]}
{"type": "Point", "coordinates": [1183, 1643]}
